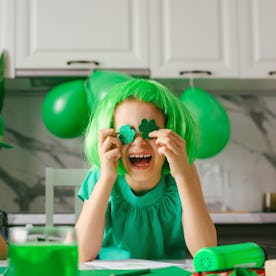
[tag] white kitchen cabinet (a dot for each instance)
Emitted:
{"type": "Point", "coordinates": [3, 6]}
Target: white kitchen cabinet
{"type": "Point", "coordinates": [257, 40]}
{"type": "Point", "coordinates": [228, 39]}
{"type": "Point", "coordinates": [193, 35]}
{"type": "Point", "coordinates": [7, 10]}
{"type": "Point", "coordinates": [54, 34]}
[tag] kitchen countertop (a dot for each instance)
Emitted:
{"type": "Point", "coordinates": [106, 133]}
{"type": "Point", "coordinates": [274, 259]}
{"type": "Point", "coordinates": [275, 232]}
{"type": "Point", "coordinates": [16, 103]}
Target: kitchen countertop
{"type": "Point", "coordinates": [244, 217]}
{"type": "Point", "coordinates": [218, 218]}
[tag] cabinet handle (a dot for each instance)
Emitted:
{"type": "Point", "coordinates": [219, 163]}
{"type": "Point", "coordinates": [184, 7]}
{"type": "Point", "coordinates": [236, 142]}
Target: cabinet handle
{"type": "Point", "coordinates": [271, 73]}
{"type": "Point", "coordinates": [82, 62]}
{"type": "Point", "coordinates": [195, 72]}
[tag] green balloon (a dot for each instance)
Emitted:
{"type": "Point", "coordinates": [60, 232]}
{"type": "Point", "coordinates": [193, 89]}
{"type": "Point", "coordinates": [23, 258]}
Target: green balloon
{"type": "Point", "coordinates": [65, 112]}
{"type": "Point", "coordinates": [99, 83]}
{"type": "Point", "coordinates": [212, 118]}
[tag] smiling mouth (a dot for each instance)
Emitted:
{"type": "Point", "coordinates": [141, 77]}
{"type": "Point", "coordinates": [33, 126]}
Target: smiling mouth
{"type": "Point", "coordinates": [140, 160]}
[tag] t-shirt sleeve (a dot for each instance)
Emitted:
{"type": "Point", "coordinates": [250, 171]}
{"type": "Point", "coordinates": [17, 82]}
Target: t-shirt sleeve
{"type": "Point", "coordinates": [88, 184]}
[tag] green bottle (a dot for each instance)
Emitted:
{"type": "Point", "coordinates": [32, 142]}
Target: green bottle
{"type": "Point", "coordinates": [230, 256]}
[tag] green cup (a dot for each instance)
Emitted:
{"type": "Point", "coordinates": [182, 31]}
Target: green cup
{"type": "Point", "coordinates": [42, 251]}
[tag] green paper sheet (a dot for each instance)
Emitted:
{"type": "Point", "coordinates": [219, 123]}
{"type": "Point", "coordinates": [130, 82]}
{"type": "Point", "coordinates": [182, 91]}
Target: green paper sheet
{"type": "Point", "coordinates": [171, 270]}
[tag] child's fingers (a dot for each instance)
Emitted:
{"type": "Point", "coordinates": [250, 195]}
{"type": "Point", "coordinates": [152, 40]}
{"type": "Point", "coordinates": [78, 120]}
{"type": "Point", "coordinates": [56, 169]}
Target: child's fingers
{"type": "Point", "coordinates": [113, 154]}
{"type": "Point", "coordinates": [169, 139]}
{"type": "Point", "coordinates": [168, 143]}
{"type": "Point", "coordinates": [165, 133]}
{"type": "Point", "coordinates": [104, 133]}
{"type": "Point", "coordinates": [110, 143]}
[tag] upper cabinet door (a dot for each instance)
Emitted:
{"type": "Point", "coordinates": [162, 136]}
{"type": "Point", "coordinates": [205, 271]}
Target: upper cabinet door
{"type": "Point", "coordinates": [257, 38]}
{"type": "Point", "coordinates": [7, 20]}
{"type": "Point", "coordinates": [56, 34]}
{"type": "Point", "coordinates": [193, 35]}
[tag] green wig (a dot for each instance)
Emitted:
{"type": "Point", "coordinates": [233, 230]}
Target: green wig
{"type": "Point", "coordinates": [178, 118]}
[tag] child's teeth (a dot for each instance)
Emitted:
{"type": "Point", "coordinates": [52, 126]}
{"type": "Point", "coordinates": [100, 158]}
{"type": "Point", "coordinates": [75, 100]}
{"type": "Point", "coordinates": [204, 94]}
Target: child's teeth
{"type": "Point", "coordinates": [139, 156]}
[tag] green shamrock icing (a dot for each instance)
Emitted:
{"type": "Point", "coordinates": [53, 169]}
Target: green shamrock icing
{"type": "Point", "coordinates": [126, 134]}
{"type": "Point", "coordinates": [146, 127]}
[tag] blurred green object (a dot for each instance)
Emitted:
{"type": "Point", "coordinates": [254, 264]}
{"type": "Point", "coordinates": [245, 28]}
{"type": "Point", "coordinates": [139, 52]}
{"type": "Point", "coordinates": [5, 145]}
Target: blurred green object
{"type": "Point", "coordinates": [113, 253]}
{"type": "Point", "coordinates": [2, 130]}
{"type": "Point", "coordinates": [230, 256]}
{"type": "Point", "coordinates": [99, 83]}
{"type": "Point", "coordinates": [212, 118]}
{"type": "Point", "coordinates": [65, 111]}
{"type": "Point", "coordinates": [2, 80]}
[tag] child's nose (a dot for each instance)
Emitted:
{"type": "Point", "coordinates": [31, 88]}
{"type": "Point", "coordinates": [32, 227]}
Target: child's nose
{"type": "Point", "coordinates": [138, 139]}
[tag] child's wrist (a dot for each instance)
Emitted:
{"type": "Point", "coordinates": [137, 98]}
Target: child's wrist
{"type": "Point", "coordinates": [108, 178]}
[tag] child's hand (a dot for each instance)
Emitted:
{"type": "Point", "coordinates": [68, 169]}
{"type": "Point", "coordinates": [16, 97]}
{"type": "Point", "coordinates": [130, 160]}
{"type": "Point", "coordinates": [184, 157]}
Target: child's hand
{"type": "Point", "coordinates": [109, 151]}
{"type": "Point", "coordinates": [173, 147]}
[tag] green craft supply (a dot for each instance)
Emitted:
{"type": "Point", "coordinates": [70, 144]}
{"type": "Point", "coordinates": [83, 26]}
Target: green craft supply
{"type": "Point", "coordinates": [146, 127]}
{"type": "Point", "coordinates": [43, 259]}
{"type": "Point", "coordinates": [126, 134]}
{"type": "Point", "coordinates": [223, 257]}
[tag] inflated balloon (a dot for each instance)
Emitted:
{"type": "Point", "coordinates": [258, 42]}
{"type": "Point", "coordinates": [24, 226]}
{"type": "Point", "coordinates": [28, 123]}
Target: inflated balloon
{"type": "Point", "coordinates": [212, 118]}
{"type": "Point", "coordinates": [65, 111]}
{"type": "Point", "coordinates": [99, 83]}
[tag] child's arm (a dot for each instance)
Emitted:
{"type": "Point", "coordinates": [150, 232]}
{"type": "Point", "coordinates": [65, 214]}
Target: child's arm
{"type": "Point", "coordinates": [199, 229]}
{"type": "Point", "coordinates": [91, 223]}
{"type": "Point", "coordinates": [3, 248]}
{"type": "Point", "coordinates": [197, 224]}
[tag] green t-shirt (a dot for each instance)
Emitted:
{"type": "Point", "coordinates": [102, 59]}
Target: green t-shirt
{"type": "Point", "coordinates": [148, 226]}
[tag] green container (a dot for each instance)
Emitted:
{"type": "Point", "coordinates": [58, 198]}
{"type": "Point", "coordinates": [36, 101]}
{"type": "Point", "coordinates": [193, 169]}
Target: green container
{"type": "Point", "coordinates": [43, 260]}
{"type": "Point", "coordinates": [42, 251]}
{"type": "Point", "coordinates": [224, 257]}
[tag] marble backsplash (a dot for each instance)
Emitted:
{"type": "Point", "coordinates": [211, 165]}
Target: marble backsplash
{"type": "Point", "coordinates": [246, 167]}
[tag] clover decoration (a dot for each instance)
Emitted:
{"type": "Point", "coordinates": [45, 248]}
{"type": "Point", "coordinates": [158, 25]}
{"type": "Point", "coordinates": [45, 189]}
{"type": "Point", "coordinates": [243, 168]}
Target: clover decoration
{"type": "Point", "coordinates": [127, 133]}
{"type": "Point", "coordinates": [146, 127]}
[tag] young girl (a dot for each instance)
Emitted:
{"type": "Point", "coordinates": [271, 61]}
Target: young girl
{"type": "Point", "coordinates": [142, 195]}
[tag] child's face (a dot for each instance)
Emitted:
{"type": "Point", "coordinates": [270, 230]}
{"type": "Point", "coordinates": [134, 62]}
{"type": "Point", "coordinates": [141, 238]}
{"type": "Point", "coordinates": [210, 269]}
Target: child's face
{"type": "Point", "coordinates": [140, 158]}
